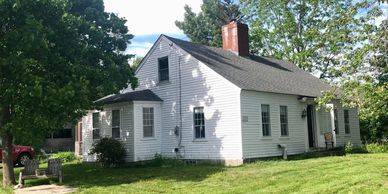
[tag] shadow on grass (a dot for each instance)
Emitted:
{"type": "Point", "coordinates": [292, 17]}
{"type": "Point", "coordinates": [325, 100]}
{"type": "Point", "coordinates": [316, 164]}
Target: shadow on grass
{"type": "Point", "coordinates": [87, 175]}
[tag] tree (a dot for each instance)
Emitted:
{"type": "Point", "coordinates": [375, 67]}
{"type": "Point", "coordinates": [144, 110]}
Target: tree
{"type": "Point", "coordinates": [366, 85]}
{"type": "Point", "coordinates": [56, 58]}
{"type": "Point", "coordinates": [312, 34]}
{"type": "Point", "coordinates": [136, 62]}
{"type": "Point", "coordinates": [205, 27]}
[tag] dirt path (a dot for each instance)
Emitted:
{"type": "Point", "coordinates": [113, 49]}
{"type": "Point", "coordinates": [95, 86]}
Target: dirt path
{"type": "Point", "coordinates": [46, 189]}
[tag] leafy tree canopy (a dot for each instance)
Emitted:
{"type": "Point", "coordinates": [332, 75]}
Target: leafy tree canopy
{"type": "Point", "coordinates": [56, 57]}
{"type": "Point", "coordinates": [205, 27]}
{"type": "Point", "coordinates": [315, 35]}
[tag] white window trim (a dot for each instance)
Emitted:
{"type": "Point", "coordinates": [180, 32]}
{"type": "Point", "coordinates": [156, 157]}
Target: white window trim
{"type": "Point", "coordinates": [153, 123]}
{"type": "Point", "coordinates": [120, 123]}
{"type": "Point", "coordinates": [269, 124]}
{"type": "Point", "coordinates": [280, 122]}
{"type": "Point", "coordinates": [199, 139]}
{"type": "Point", "coordinates": [99, 123]}
{"type": "Point", "coordinates": [168, 68]}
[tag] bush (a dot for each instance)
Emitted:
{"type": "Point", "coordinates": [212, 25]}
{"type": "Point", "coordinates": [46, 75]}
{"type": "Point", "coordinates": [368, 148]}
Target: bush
{"type": "Point", "coordinates": [65, 156]}
{"type": "Point", "coordinates": [348, 148]}
{"type": "Point", "coordinates": [110, 152]}
{"type": "Point", "coordinates": [376, 148]}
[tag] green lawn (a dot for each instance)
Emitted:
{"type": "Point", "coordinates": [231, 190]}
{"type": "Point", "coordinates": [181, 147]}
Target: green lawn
{"type": "Point", "coordinates": [358, 173]}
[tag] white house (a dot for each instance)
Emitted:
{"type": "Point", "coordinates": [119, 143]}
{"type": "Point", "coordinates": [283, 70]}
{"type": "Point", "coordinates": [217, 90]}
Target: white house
{"type": "Point", "coordinates": [198, 102]}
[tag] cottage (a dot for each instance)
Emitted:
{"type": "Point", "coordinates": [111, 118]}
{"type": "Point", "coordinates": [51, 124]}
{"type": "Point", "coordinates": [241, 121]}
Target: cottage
{"type": "Point", "coordinates": [197, 102]}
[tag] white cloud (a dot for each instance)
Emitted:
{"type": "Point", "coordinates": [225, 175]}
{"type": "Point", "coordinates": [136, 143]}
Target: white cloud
{"type": "Point", "coordinates": [139, 48]}
{"type": "Point", "coordinates": [151, 16]}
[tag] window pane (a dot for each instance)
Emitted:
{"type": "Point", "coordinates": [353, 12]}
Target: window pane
{"type": "Point", "coordinates": [199, 122]}
{"type": "Point", "coordinates": [283, 121]}
{"type": "Point", "coordinates": [163, 69]}
{"type": "Point", "coordinates": [96, 133]}
{"type": "Point", "coordinates": [265, 119]}
{"type": "Point", "coordinates": [116, 132]}
{"type": "Point", "coordinates": [96, 120]}
{"type": "Point", "coordinates": [115, 118]}
{"type": "Point", "coordinates": [346, 120]}
{"type": "Point", "coordinates": [148, 122]}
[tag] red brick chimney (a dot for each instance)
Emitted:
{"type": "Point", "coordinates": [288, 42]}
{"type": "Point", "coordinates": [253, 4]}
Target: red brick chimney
{"type": "Point", "coordinates": [235, 38]}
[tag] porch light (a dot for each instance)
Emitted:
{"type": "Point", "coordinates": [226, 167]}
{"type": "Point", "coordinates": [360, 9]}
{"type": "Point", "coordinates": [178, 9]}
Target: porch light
{"type": "Point", "coordinates": [304, 113]}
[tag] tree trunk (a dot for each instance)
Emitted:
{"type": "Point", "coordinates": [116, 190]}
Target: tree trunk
{"type": "Point", "coordinates": [8, 175]}
{"type": "Point", "coordinates": [6, 137]}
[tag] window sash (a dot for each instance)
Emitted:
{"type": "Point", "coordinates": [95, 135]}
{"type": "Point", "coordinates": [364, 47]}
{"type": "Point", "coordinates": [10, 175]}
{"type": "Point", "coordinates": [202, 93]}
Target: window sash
{"type": "Point", "coordinates": [96, 120]}
{"type": "Point", "coordinates": [346, 121]}
{"type": "Point", "coordinates": [96, 134]}
{"type": "Point", "coordinates": [148, 122]}
{"type": "Point", "coordinates": [199, 123]}
{"type": "Point", "coordinates": [116, 123]}
{"type": "Point", "coordinates": [163, 69]}
{"type": "Point", "coordinates": [283, 121]}
{"type": "Point", "coordinates": [266, 119]}
{"type": "Point", "coordinates": [96, 125]}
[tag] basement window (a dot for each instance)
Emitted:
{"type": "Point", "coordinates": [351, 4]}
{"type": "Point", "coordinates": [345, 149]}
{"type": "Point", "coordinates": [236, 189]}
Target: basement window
{"type": "Point", "coordinates": [163, 69]}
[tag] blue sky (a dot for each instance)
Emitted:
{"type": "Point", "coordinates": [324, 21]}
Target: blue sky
{"type": "Point", "coordinates": [147, 19]}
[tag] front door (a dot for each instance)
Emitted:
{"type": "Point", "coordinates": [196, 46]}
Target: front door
{"type": "Point", "coordinates": [310, 124]}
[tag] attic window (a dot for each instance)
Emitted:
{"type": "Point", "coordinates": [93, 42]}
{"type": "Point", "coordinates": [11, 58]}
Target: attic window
{"type": "Point", "coordinates": [163, 69]}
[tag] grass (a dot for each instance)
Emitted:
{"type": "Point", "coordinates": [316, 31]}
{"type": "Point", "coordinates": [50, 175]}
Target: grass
{"type": "Point", "coordinates": [356, 173]}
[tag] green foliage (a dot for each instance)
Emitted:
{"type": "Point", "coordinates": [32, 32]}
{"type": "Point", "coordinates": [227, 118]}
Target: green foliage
{"type": "Point", "coordinates": [348, 148]}
{"type": "Point", "coordinates": [311, 34]}
{"type": "Point", "coordinates": [205, 27]}
{"type": "Point", "coordinates": [377, 148]}
{"type": "Point", "coordinates": [160, 161]}
{"type": "Point", "coordinates": [56, 58]}
{"type": "Point", "coordinates": [110, 152]}
{"type": "Point", "coordinates": [356, 173]}
{"type": "Point", "coordinates": [65, 156]}
{"type": "Point", "coordinates": [136, 63]}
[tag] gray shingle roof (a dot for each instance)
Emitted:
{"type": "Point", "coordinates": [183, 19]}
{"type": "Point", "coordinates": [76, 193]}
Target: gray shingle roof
{"type": "Point", "coordinates": [255, 73]}
{"type": "Point", "coordinates": [142, 95]}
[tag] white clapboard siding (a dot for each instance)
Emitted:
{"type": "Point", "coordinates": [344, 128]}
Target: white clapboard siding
{"type": "Point", "coordinates": [201, 86]}
{"type": "Point", "coordinates": [254, 144]}
{"type": "Point", "coordinates": [126, 129]}
{"type": "Point", "coordinates": [354, 136]}
{"type": "Point", "coordinates": [146, 147]}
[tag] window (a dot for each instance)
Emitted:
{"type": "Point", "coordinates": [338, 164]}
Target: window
{"type": "Point", "coordinates": [163, 69]}
{"type": "Point", "coordinates": [148, 122]}
{"type": "Point", "coordinates": [265, 119]}
{"type": "Point", "coordinates": [346, 120]}
{"type": "Point", "coordinates": [116, 123]}
{"type": "Point", "coordinates": [199, 123]}
{"type": "Point", "coordinates": [283, 121]}
{"type": "Point", "coordinates": [63, 133]}
{"type": "Point", "coordinates": [96, 125]}
{"type": "Point", "coordinates": [336, 121]}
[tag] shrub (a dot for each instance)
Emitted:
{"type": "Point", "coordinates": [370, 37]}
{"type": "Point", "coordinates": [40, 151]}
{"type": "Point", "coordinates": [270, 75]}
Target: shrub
{"type": "Point", "coordinates": [376, 148]}
{"type": "Point", "coordinates": [348, 148]}
{"type": "Point", "coordinates": [110, 152]}
{"type": "Point", "coordinates": [65, 156]}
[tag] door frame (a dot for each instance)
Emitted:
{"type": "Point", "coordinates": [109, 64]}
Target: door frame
{"type": "Point", "coordinates": [311, 126]}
